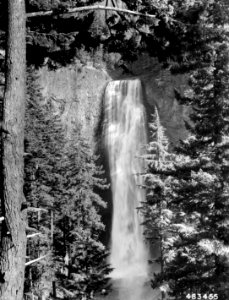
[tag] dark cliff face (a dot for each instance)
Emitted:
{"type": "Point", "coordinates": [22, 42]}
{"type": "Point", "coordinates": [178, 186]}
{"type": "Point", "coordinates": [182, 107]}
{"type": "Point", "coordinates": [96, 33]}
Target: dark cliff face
{"type": "Point", "coordinates": [77, 91]}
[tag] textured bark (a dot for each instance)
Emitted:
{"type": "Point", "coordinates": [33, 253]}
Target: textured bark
{"type": "Point", "coordinates": [13, 237]}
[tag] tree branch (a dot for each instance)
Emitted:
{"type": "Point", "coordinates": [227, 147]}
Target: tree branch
{"type": "Point", "coordinates": [88, 8]}
{"type": "Point", "coordinates": [33, 235]}
{"type": "Point", "coordinates": [35, 260]}
{"type": "Point", "coordinates": [36, 209]}
{"type": "Point", "coordinates": [31, 229]}
{"type": "Point", "coordinates": [67, 292]}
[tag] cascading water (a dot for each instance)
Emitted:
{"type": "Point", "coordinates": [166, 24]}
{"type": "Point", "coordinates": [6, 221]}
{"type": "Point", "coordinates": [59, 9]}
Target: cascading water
{"type": "Point", "coordinates": [125, 138]}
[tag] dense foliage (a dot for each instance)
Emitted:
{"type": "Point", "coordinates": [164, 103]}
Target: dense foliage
{"type": "Point", "coordinates": [56, 39]}
{"type": "Point", "coordinates": [157, 210]}
{"type": "Point", "coordinates": [64, 180]}
{"type": "Point", "coordinates": [197, 181]}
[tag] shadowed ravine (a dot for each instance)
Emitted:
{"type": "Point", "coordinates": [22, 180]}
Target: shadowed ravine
{"type": "Point", "coordinates": [125, 138]}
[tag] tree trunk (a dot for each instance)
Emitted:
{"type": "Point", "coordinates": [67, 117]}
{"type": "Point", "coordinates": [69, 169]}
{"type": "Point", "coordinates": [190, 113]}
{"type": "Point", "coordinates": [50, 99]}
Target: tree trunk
{"type": "Point", "coordinates": [13, 237]}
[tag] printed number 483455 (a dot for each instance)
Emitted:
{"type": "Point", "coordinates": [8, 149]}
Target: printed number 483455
{"type": "Point", "coordinates": [202, 297]}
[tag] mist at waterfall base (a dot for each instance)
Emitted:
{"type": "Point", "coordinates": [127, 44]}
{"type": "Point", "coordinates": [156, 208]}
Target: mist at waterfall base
{"type": "Point", "coordinates": [125, 140]}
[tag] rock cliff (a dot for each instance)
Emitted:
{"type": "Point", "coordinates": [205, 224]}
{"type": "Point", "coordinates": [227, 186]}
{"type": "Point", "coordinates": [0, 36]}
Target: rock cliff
{"type": "Point", "coordinates": [77, 91]}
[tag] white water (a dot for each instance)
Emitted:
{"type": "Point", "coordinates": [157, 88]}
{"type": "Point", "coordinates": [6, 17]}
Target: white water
{"type": "Point", "coordinates": [125, 137]}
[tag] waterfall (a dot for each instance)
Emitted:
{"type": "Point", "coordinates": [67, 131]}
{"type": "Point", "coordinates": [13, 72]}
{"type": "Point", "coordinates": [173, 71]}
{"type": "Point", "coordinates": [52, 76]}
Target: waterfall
{"type": "Point", "coordinates": [125, 138]}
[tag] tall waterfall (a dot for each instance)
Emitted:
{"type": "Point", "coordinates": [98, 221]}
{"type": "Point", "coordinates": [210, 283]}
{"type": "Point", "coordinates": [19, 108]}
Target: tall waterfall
{"type": "Point", "coordinates": [125, 138]}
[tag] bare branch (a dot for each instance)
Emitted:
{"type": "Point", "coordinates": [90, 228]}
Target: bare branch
{"type": "Point", "coordinates": [35, 260]}
{"type": "Point", "coordinates": [27, 154]}
{"type": "Point", "coordinates": [31, 229]}
{"type": "Point", "coordinates": [33, 235]}
{"type": "Point", "coordinates": [67, 292]}
{"type": "Point", "coordinates": [36, 209]}
{"type": "Point", "coordinates": [88, 8]}
{"type": "Point", "coordinates": [51, 34]}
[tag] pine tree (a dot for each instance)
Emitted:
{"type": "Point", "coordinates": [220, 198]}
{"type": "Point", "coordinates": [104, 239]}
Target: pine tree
{"type": "Point", "coordinates": [157, 212]}
{"type": "Point", "coordinates": [200, 188]}
{"type": "Point", "coordinates": [62, 176]}
{"type": "Point", "coordinates": [44, 141]}
{"type": "Point", "coordinates": [196, 260]}
{"type": "Point", "coordinates": [78, 222]}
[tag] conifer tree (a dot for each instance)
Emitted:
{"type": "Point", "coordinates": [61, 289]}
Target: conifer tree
{"type": "Point", "coordinates": [157, 212]}
{"type": "Point", "coordinates": [79, 222]}
{"type": "Point", "coordinates": [62, 176]}
{"type": "Point", "coordinates": [44, 141]}
{"type": "Point", "coordinates": [200, 186]}
{"type": "Point", "coordinates": [13, 217]}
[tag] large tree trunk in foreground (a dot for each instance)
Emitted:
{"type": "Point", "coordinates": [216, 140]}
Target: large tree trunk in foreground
{"type": "Point", "coordinates": [13, 238]}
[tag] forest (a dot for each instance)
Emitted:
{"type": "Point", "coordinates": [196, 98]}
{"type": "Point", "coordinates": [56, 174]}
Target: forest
{"type": "Point", "coordinates": [106, 205]}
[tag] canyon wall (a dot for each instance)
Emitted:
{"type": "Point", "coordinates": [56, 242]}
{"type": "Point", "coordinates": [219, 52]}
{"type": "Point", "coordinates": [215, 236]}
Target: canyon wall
{"type": "Point", "coordinates": [77, 92]}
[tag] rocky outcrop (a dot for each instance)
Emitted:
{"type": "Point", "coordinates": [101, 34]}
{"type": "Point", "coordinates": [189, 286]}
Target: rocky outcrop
{"type": "Point", "coordinates": [77, 92]}
{"type": "Point", "coordinates": [159, 91]}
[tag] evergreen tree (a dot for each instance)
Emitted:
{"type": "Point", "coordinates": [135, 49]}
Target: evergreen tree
{"type": "Point", "coordinates": [168, 36]}
{"type": "Point", "coordinates": [13, 216]}
{"type": "Point", "coordinates": [62, 177]}
{"type": "Point", "coordinates": [196, 260]}
{"type": "Point", "coordinates": [200, 185]}
{"type": "Point", "coordinates": [79, 223]}
{"type": "Point", "coordinates": [157, 210]}
{"type": "Point", "coordinates": [44, 142]}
